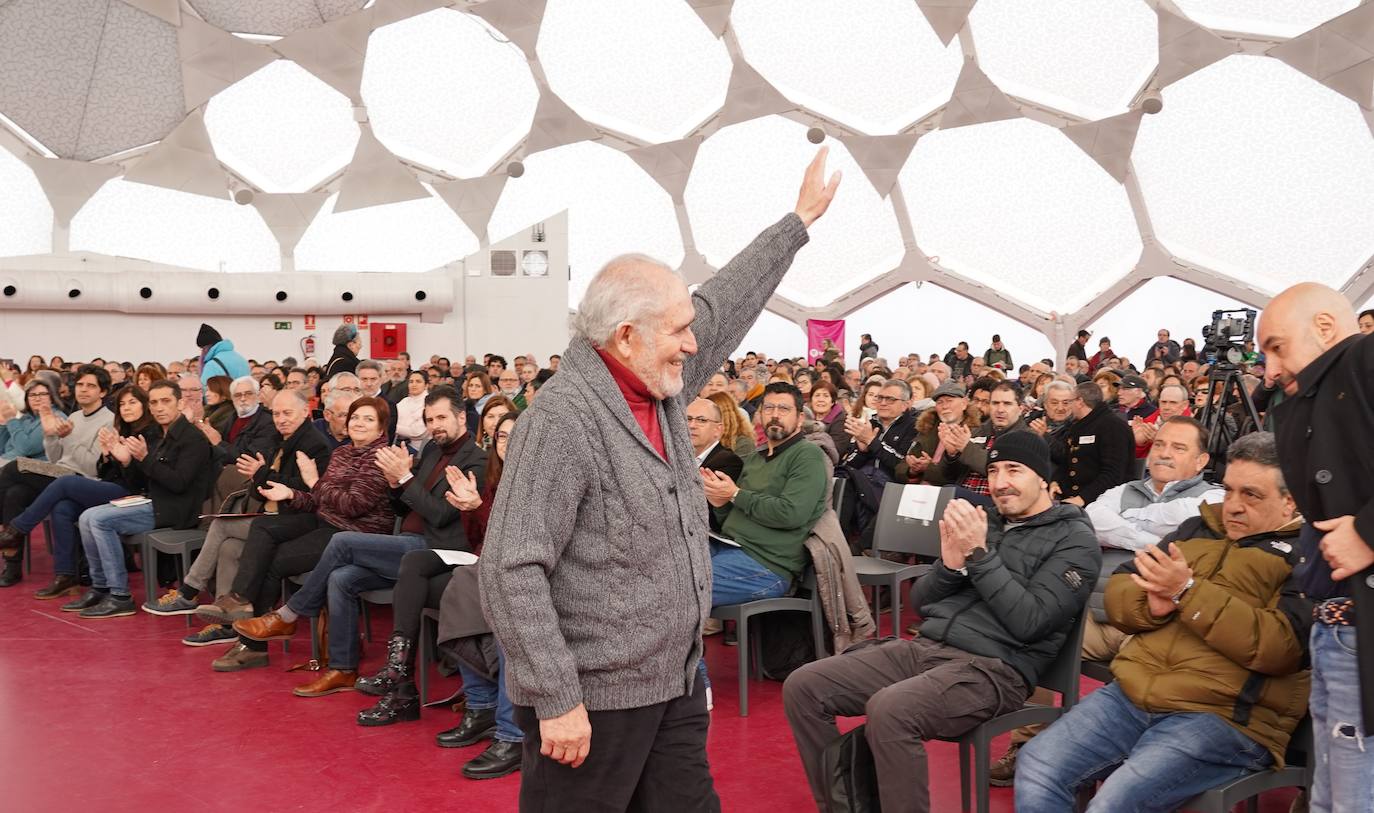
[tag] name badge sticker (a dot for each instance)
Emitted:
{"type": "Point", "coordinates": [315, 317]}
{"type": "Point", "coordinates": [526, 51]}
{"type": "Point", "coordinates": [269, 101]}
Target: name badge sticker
{"type": "Point", "coordinates": [1086, 439]}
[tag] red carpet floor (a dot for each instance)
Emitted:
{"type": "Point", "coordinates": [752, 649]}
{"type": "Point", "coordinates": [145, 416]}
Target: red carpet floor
{"type": "Point", "coordinates": [118, 715]}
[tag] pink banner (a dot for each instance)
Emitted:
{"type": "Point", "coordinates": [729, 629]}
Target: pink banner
{"type": "Point", "coordinates": [820, 330]}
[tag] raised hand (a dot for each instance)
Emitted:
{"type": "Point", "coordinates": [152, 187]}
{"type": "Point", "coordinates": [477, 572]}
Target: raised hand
{"type": "Point", "coordinates": [107, 438]}
{"type": "Point", "coordinates": [137, 446]}
{"type": "Point", "coordinates": [816, 193]}
{"type": "Point", "coordinates": [394, 463]}
{"type": "Point", "coordinates": [119, 450]}
{"type": "Point", "coordinates": [462, 493]}
{"type": "Point", "coordinates": [955, 436]}
{"type": "Point", "coordinates": [7, 410]}
{"type": "Point", "coordinates": [1039, 426]}
{"type": "Point", "coordinates": [248, 466]}
{"type": "Point", "coordinates": [305, 464]}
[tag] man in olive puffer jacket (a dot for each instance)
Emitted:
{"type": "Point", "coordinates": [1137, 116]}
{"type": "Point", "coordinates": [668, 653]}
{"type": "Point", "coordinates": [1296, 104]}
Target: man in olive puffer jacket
{"type": "Point", "coordinates": [1215, 679]}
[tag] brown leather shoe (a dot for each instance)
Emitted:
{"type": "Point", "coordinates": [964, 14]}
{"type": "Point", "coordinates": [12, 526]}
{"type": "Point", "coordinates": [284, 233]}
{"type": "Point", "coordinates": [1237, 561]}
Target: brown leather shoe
{"type": "Point", "coordinates": [328, 683]}
{"type": "Point", "coordinates": [238, 658]}
{"type": "Point", "coordinates": [226, 609]}
{"type": "Point", "coordinates": [269, 627]}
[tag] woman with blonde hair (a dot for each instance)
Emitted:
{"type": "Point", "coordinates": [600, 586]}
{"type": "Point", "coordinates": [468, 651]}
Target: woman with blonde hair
{"type": "Point", "coordinates": [735, 433]}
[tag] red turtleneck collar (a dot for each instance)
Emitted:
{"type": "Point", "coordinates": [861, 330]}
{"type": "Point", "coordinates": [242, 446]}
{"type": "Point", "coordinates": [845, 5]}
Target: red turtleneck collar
{"type": "Point", "coordinates": [643, 405]}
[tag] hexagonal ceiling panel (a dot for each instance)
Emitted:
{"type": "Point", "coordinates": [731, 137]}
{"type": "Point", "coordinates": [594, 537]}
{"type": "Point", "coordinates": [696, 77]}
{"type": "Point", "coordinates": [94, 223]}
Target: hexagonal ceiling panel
{"type": "Point", "coordinates": [273, 17]}
{"type": "Point", "coordinates": [1086, 59]}
{"type": "Point", "coordinates": [1018, 207]}
{"type": "Point", "coordinates": [25, 214]}
{"type": "Point", "coordinates": [876, 65]}
{"type": "Point", "coordinates": [646, 68]}
{"type": "Point", "coordinates": [445, 90]}
{"type": "Point", "coordinates": [282, 129]}
{"type": "Point", "coordinates": [127, 219]}
{"type": "Point", "coordinates": [772, 334]}
{"type": "Point", "coordinates": [614, 208]}
{"type": "Point", "coordinates": [414, 235]}
{"type": "Point", "coordinates": [1279, 18]}
{"type": "Point", "coordinates": [88, 78]}
{"type": "Point", "coordinates": [929, 319]}
{"type": "Point", "coordinates": [747, 176]}
{"type": "Point", "coordinates": [1256, 171]}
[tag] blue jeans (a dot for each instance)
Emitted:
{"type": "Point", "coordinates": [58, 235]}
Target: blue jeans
{"type": "Point", "coordinates": [737, 577]}
{"type": "Point", "coordinates": [64, 499]}
{"type": "Point", "coordinates": [101, 528]}
{"type": "Point", "coordinates": [353, 563]}
{"type": "Point", "coordinates": [1152, 762]}
{"type": "Point", "coordinates": [1344, 758]}
{"type": "Point", "coordinates": [491, 694]}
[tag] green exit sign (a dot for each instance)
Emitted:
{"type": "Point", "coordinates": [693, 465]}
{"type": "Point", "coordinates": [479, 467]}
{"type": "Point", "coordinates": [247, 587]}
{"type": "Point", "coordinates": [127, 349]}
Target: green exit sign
{"type": "Point", "coordinates": [282, 325]}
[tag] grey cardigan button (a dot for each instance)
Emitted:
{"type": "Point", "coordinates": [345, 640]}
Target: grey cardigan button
{"type": "Point", "coordinates": [1323, 476]}
{"type": "Point", "coordinates": [1369, 580]}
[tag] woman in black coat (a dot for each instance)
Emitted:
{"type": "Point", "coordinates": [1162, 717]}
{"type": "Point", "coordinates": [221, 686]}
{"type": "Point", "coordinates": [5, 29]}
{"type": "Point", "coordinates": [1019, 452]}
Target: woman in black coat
{"type": "Point", "coordinates": [346, 347]}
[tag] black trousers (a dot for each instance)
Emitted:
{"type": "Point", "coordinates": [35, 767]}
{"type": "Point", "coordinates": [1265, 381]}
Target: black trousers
{"type": "Point", "coordinates": [277, 547]}
{"type": "Point", "coordinates": [420, 584]}
{"type": "Point", "coordinates": [17, 490]}
{"type": "Point", "coordinates": [647, 759]}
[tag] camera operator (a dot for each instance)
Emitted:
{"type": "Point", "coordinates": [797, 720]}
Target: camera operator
{"type": "Point", "coordinates": [1325, 428]}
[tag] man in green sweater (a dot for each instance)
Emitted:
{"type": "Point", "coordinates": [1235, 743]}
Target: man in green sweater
{"type": "Point", "coordinates": [770, 512]}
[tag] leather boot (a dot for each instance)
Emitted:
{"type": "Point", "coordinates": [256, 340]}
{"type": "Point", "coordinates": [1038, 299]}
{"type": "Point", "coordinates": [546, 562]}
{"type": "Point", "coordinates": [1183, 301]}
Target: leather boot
{"type": "Point", "coordinates": [477, 725]}
{"type": "Point", "coordinates": [500, 759]}
{"type": "Point", "coordinates": [399, 667]}
{"type": "Point", "coordinates": [11, 539]}
{"type": "Point", "coordinates": [402, 703]}
{"type": "Point", "coordinates": [12, 574]}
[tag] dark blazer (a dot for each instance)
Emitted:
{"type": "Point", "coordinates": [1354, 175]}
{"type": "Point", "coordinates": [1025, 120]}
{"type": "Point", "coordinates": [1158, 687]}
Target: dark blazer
{"type": "Point", "coordinates": [1324, 436]}
{"type": "Point", "coordinates": [178, 473]}
{"type": "Point", "coordinates": [725, 461]}
{"type": "Point", "coordinates": [305, 439]}
{"type": "Point", "coordinates": [258, 437]}
{"type": "Point", "coordinates": [442, 526]}
{"type": "Point", "coordinates": [1096, 453]}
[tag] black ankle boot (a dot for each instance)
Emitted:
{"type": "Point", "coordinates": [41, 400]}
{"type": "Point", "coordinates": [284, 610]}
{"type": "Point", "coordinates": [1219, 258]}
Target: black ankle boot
{"type": "Point", "coordinates": [400, 663]}
{"type": "Point", "coordinates": [12, 574]}
{"type": "Point", "coordinates": [401, 704]}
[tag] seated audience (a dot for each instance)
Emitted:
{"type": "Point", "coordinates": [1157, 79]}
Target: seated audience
{"type": "Point", "coordinates": [952, 409]}
{"type": "Point", "coordinates": [828, 411]}
{"type": "Point", "coordinates": [996, 608]}
{"type": "Point", "coordinates": [426, 581]}
{"type": "Point", "coordinates": [1095, 453]}
{"type": "Point", "coordinates": [175, 469]}
{"type": "Point", "coordinates": [477, 390]}
{"type": "Point", "coordinates": [1132, 399]}
{"type": "Point", "coordinates": [71, 445]}
{"type": "Point", "coordinates": [21, 429]}
{"type": "Point", "coordinates": [735, 431]}
{"type": "Point", "coordinates": [965, 462]}
{"type": "Point", "coordinates": [411, 426]}
{"type": "Point", "coordinates": [219, 403]}
{"type": "Point", "coordinates": [351, 495]}
{"type": "Point", "coordinates": [704, 420]}
{"type": "Point", "coordinates": [1173, 401]}
{"type": "Point", "coordinates": [333, 427]}
{"type": "Point", "coordinates": [497, 406]}
{"type": "Point", "coordinates": [1211, 685]}
{"type": "Point", "coordinates": [354, 563]}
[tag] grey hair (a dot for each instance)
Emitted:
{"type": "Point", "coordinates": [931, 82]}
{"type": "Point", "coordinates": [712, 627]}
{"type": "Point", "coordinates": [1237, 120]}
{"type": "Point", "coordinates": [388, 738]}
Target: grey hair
{"type": "Point", "coordinates": [1059, 384]}
{"type": "Point", "coordinates": [1183, 391]}
{"type": "Point", "coordinates": [620, 292]}
{"type": "Point", "coordinates": [370, 364]}
{"type": "Point", "coordinates": [901, 385]}
{"type": "Point", "coordinates": [252, 382]}
{"type": "Point", "coordinates": [346, 398]}
{"type": "Point", "coordinates": [296, 394]}
{"type": "Point", "coordinates": [1260, 448]}
{"type": "Point", "coordinates": [334, 382]}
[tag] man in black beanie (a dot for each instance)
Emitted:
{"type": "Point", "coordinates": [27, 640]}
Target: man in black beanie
{"type": "Point", "coordinates": [997, 607]}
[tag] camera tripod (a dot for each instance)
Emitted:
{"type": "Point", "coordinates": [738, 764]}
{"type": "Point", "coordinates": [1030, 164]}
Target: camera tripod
{"type": "Point", "coordinates": [1225, 389]}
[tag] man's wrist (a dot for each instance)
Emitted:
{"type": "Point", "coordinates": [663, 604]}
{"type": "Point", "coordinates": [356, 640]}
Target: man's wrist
{"type": "Point", "coordinates": [405, 478]}
{"type": "Point", "coordinates": [1177, 598]}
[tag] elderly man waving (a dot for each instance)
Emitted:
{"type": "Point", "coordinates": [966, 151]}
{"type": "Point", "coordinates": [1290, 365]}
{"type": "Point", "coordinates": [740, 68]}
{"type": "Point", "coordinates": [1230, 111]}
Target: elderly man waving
{"type": "Point", "coordinates": [596, 573]}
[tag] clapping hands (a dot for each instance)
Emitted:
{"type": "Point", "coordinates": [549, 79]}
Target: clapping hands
{"type": "Point", "coordinates": [463, 493]}
{"type": "Point", "coordinates": [962, 528]}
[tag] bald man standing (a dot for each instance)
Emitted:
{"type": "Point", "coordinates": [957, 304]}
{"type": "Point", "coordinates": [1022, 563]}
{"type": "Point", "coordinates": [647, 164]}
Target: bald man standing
{"type": "Point", "coordinates": [1325, 367]}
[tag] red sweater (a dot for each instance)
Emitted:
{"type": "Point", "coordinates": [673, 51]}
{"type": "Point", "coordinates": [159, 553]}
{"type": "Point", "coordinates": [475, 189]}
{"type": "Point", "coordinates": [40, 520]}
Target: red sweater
{"type": "Point", "coordinates": [643, 405]}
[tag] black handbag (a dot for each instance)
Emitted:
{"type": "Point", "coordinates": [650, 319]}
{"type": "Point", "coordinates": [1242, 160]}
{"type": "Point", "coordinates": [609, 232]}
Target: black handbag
{"type": "Point", "coordinates": [852, 776]}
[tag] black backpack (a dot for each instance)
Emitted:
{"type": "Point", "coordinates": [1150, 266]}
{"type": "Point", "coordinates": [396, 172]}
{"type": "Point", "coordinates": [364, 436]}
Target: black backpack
{"type": "Point", "coordinates": [851, 777]}
{"type": "Point", "coordinates": [785, 643]}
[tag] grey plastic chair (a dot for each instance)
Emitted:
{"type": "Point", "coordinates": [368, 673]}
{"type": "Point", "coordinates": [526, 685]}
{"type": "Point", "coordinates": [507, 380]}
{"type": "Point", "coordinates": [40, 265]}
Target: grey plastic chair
{"type": "Point", "coordinates": [429, 631]}
{"type": "Point", "coordinates": [898, 534]}
{"type": "Point", "coordinates": [184, 545]}
{"type": "Point", "coordinates": [837, 487]}
{"type": "Point", "coordinates": [975, 747]}
{"type": "Point", "coordinates": [741, 613]}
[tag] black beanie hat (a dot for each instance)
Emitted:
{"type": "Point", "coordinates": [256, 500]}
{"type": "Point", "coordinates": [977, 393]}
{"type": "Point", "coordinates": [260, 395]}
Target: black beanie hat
{"type": "Point", "coordinates": [1026, 448]}
{"type": "Point", "coordinates": [207, 336]}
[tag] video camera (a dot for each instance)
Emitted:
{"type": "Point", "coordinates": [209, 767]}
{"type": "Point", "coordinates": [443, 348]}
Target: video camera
{"type": "Point", "coordinates": [1224, 340]}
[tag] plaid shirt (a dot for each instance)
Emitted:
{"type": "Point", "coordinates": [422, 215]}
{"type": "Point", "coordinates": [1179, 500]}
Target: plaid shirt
{"type": "Point", "coordinates": [975, 482]}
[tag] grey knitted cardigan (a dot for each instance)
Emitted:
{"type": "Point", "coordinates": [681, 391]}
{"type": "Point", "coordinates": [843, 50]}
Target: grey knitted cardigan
{"type": "Point", "coordinates": [596, 571]}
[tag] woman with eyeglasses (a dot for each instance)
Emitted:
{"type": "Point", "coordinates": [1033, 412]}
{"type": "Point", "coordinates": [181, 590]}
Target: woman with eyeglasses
{"type": "Point", "coordinates": [21, 430]}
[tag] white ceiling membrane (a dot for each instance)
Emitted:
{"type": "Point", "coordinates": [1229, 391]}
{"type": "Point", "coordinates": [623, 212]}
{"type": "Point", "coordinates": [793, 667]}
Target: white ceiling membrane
{"type": "Point", "coordinates": [613, 206]}
{"type": "Point", "coordinates": [443, 89]}
{"type": "Point", "coordinates": [1258, 172]}
{"type": "Point", "coordinates": [272, 17]}
{"type": "Point", "coordinates": [126, 219]}
{"type": "Point", "coordinates": [411, 236]}
{"type": "Point", "coordinates": [25, 214]}
{"type": "Point", "coordinates": [1277, 18]}
{"type": "Point", "coordinates": [1163, 302]}
{"type": "Point", "coordinates": [88, 78]}
{"type": "Point", "coordinates": [1018, 207]}
{"type": "Point", "coordinates": [282, 129]}
{"type": "Point", "coordinates": [747, 176]}
{"type": "Point", "coordinates": [1087, 59]}
{"type": "Point", "coordinates": [876, 66]}
{"type": "Point", "coordinates": [648, 69]}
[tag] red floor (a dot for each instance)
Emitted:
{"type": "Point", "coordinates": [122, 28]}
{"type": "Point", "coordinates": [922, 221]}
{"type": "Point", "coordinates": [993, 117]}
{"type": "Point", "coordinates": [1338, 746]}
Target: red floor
{"type": "Point", "coordinates": [118, 715]}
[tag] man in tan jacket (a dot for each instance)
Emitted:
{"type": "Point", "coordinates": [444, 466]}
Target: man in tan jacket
{"type": "Point", "coordinates": [1214, 681]}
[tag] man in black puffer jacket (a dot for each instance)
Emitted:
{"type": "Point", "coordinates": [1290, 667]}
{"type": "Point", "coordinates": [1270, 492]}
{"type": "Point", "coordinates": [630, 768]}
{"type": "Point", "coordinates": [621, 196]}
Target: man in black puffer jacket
{"type": "Point", "coordinates": [997, 609]}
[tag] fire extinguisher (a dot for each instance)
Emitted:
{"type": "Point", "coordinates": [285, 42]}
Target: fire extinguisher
{"type": "Point", "coordinates": [308, 347]}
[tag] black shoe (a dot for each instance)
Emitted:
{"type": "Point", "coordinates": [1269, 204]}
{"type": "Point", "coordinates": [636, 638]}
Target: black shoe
{"type": "Point", "coordinates": [477, 725]}
{"type": "Point", "coordinates": [11, 539]}
{"type": "Point", "coordinates": [500, 759]}
{"type": "Point", "coordinates": [111, 606]}
{"type": "Point", "coordinates": [12, 574]}
{"type": "Point", "coordinates": [92, 598]}
{"type": "Point", "coordinates": [401, 704]}
{"type": "Point", "coordinates": [61, 585]}
{"type": "Point", "coordinates": [400, 662]}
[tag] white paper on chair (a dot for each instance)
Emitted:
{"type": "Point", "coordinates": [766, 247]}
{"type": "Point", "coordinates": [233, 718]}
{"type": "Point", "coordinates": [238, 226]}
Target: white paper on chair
{"type": "Point", "coordinates": [918, 502]}
{"type": "Point", "coordinates": [456, 557]}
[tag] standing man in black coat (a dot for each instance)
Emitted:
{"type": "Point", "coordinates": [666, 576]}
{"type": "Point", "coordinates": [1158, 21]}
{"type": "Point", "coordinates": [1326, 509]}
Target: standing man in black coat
{"type": "Point", "coordinates": [1096, 453]}
{"type": "Point", "coordinates": [1325, 429]}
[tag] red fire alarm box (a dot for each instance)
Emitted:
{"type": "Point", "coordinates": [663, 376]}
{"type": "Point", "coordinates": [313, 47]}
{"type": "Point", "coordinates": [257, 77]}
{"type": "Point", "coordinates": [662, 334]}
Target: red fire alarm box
{"type": "Point", "coordinates": [388, 339]}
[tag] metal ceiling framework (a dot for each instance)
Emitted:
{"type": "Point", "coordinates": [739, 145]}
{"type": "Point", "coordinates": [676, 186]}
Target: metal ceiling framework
{"type": "Point", "coordinates": [1338, 53]}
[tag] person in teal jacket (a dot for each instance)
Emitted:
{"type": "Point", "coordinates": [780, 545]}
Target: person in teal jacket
{"type": "Point", "coordinates": [218, 357]}
{"type": "Point", "coordinates": [21, 432]}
